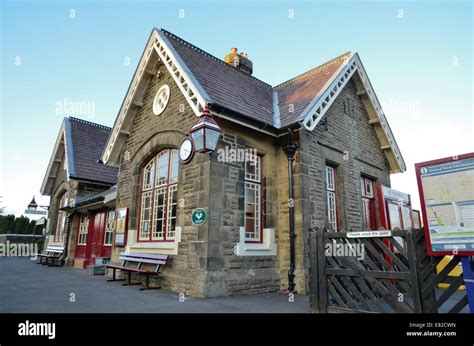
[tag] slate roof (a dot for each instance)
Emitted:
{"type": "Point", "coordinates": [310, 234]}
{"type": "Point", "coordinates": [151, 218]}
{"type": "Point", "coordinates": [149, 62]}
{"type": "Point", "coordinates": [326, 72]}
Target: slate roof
{"type": "Point", "coordinates": [239, 96]}
{"type": "Point", "coordinates": [301, 90]}
{"type": "Point", "coordinates": [227, 86]}
{"type": "Point", "coordinates": [248, 96]}
{"type": "Point", "coordinates": [91, 199]}
{"type": "Point", "coordinates": [85, 142]}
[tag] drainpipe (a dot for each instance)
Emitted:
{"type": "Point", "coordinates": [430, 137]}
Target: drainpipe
{"type": "Point", "coordinates": [290, 150]}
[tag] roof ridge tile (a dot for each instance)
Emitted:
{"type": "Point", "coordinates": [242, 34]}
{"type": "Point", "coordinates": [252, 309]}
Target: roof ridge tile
{"type": "Point", "coordinates": [89, 123]}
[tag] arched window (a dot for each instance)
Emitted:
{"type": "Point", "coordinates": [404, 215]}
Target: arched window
{"type": "Point", "coordinates": [61, 218]}
{"type": "Point", "coordinates": [158, 197]}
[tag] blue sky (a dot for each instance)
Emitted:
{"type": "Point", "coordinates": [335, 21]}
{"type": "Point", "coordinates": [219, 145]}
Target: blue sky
{"type": "Point", "coordinates": [418, 55]}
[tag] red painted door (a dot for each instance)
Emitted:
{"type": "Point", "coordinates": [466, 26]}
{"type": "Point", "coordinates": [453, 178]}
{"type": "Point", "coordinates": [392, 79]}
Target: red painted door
{"type": "Point", "coordinates": [95, 236]}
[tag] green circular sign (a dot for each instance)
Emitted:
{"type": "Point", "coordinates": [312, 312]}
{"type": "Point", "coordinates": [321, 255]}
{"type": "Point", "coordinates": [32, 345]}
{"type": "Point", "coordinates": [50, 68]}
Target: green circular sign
{"type": "Point", "coordinates": [199, 216]}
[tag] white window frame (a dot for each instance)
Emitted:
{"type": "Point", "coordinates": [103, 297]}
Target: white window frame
{"type": "Point", "coordinates": [145, 231]}
{"type": "Point", "coordinates": [83, 229]}
{"type": "Point", "coordinates": [367, 187]}
{"type": "Point", "coordinates": [155, 187]}
{"type": "Point", "coordinates": [159, 234]}
{"type": "Point", "coordinates": [331, 197]}
{"type": "Point", "coordinates": [367, 192]}
{"type": "Point", "coordinates": [61, 218]}
{"type": "Point", "coordinates": [109, 228]}
{"type": "Point", "coordinates": [253, 185]}
{"type": "Point", "coordinates": [161, 99]}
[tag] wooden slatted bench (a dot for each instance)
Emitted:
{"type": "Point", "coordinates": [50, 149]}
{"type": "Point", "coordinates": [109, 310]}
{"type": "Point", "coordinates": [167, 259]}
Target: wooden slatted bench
{"type": "Point", "coordinates": [137, 259]}
{"type": "Point", "coordinates": [53, 254]}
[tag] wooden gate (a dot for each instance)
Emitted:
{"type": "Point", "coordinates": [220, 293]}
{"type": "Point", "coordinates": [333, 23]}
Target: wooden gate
{"type": "Point", "coordinates": [378, 274]}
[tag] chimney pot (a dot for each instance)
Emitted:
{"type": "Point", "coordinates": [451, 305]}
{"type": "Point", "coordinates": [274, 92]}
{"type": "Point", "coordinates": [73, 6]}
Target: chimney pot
{"type": "Point", "coordinates": [239, 61]}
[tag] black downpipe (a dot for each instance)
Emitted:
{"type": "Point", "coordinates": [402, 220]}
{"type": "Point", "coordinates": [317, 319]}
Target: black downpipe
{"type": "Point", "coordinates": [290, 150]}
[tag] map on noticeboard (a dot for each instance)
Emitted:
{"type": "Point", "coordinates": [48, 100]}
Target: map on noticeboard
{"type": "Point", "coordinates": [447, 190]}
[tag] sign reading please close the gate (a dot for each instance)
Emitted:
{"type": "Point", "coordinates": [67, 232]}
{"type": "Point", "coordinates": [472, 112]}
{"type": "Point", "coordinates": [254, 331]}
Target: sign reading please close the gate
{"type": "Point", "coordinates": [369, 234]}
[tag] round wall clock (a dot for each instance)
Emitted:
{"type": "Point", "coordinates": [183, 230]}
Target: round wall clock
{"type": "Point", "coordinates": [186, 150]}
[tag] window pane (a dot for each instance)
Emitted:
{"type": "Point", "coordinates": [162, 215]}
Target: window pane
{"type": "Point", "coordinates": [368, 188]}
{"type": "Point", "coordinates": [148, 175]}
{"type": "Point", "coordinates": [406, 216]}
{"type": "Point", "coordinates": [366, 213]}
{"type": "Point", "coordinates": [330, 178]}
{"type": "Point", "coordinates": [109, 227]}
{"type": "Point", "coordinates": [250, 228]}
{"type": "Point", "coordinates": [172, 205]}
{"type": "Point", "coordinates": [64, 200]}
{"type": "Point", "coordinates": [332, 216]}
{"type": "Point", "coordinates": [174, 166]}
{"type": "Point", "coordinates": [331, 197]}
{"type": "Point", "coordinates": [249, 193]}
{"type": "Point", "coordinates": [159, 214]}
{"type": "Point", "coordinates": [162, 174]}
{"type": "Point", "coordinates": [61, 218]}
{"type": "Point", "coordinates": [394, 216]}
{"type": "Point", "coordinates": [83, 225]}
{"type": "Point", "coordinates": [252, 168]}
{"type": "Point", "coordinates": [252, 211]}
{"type": "Point", "coordinates": [145, 215]}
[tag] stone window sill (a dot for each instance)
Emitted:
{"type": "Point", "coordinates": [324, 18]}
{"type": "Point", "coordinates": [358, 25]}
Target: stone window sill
{"type": "Point", "coordinates": [266, 248]}
{"type": "Point", "coordinates": [165, 248]}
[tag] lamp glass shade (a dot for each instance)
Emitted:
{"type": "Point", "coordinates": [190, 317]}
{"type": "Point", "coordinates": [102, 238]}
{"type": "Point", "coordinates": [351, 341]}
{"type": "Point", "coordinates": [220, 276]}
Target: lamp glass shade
{"type": "Point", "coordinates": [212, 137]}
{"type": "Point", "coordinates": [198, 139]}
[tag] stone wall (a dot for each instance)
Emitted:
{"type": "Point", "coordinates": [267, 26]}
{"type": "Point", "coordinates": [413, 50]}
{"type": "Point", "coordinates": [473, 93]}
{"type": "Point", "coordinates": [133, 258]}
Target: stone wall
{"type": "Point", "coordinates": [350, 143]}
{"type": "Point", "coordinates": [231, 272]}
{"type": "Point", "coordinates": [186, 272]}
{"type": "Point", "coordinates": [60, 185]}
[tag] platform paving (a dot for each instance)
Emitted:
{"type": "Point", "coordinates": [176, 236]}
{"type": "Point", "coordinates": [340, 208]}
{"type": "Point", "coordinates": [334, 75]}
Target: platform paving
{"type": "Point", "coordinates": [26, 287]}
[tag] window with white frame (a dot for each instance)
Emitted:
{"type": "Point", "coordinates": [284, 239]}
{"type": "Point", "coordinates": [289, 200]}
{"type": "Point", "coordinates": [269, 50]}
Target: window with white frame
{"type": "Point", "coordinates": [109, 227]}
{"type": "Point", "coordinates": [253, 199]}
{"type": "Point", "coordinates": [61, 218]}
{"type": "Point", "coordinates": [161, 99]}
{"type": "Point", "coordinates": [368, 203]}
{"type": "Point", "coordinates": [159, 197]}
{"type": "Point", "coordinates": [331, 197]}
{"type": "Point", "coordinates": [83, 228]}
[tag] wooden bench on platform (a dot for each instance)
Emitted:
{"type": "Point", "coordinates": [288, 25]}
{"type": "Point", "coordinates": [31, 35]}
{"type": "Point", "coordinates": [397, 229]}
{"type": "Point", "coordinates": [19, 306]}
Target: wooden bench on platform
{"type": "Point", "coordinates": [137, 259]}
{"type": "Point", "coordinates": [53, 255]}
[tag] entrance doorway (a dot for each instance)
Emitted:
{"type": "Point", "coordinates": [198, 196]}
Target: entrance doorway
{"type": "Point", "coordinates": [90, 241]}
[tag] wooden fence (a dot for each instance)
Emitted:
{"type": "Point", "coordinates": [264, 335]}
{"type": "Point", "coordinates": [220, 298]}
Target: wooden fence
{"type": "Point", "coordinates": [378, 274]}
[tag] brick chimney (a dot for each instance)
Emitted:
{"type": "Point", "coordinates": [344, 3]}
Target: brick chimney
{"type": "Point", "coordinates": [239, 61]}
